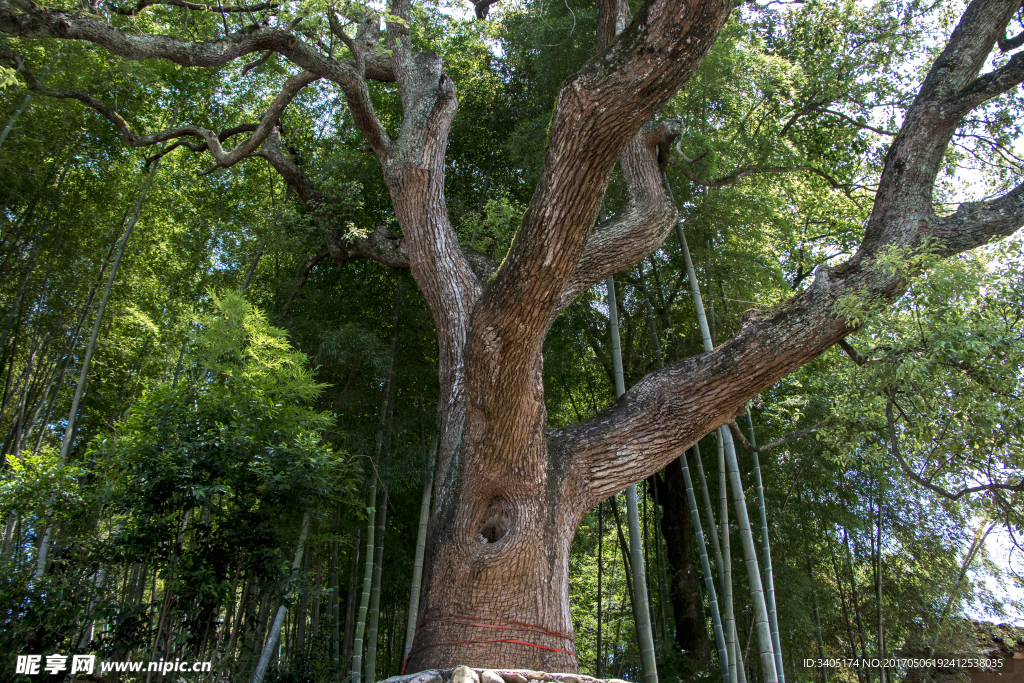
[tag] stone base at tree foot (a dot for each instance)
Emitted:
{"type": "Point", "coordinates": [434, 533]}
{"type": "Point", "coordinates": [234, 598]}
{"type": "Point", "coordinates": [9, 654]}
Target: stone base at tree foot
{"type": "Point", "coordinates": [465, 674]}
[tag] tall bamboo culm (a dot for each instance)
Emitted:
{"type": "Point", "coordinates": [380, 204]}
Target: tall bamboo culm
{"type": "Point", "coordinates": [767, 651]}
{"type": "Point", "coordinates": [766, 551]}
{"type": "Point", "coordinates": [642, 615]}
{"type": "Point", "coordinates": [421, 539]}
{"type": "Point", "coordinates": [364, 598]}
{"type": "Point", "coordinates": [275, 629]}
{"type": "Point", "coordinates": [367, 625]}
{"type": "Point", "coordinates": [705, 565]}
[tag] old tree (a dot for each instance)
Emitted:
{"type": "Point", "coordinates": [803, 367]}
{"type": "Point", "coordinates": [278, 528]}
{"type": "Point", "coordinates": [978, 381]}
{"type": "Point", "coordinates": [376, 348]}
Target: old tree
{"type": "Point", "coordinates": [511, 491]}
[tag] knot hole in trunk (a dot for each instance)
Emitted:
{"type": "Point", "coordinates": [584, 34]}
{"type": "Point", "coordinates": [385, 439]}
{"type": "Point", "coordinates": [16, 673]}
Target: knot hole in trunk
{"type": "Point", "coordinates": [495, 525]}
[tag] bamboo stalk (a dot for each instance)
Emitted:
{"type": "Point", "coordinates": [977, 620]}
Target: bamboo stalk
{"type": "Point", "coordinates": [769, 576]}
{"type": "Point", "coordinates": [642, 614]}
{"type": "Point", "coordinates": [350, 603]}
{"type": "Point", "coordinates": [91, 347]}
{"type": "Point", "coordinates": [817, 614]}
{"type": "Point", "coordinates": [421, 537]}
{"type": "Point", "coordinates": [768, 667]}
{"type": "Point", "coordinates": [732, 643]}
{"type": "Point", "coordinates": [662, 576]}
{"type": "Point", "coordinates": [372, 621]}
{"type": "Point", "coordinates": [335, 599]}
{"type": "Point", "coordinates": [709, 582]}
{"type": "Point", "coordinates": [842, 602]}
{"type": "Point", "coordinates": [300, 616]}
{"type": "Point", "coordinates": [878, 595]}
{"type": "Point", "coordinates": [275, 629]}
{"type": "Point", "coordinates": [855, 601]}
{"type": "Point", "coordinates": [364, 600]}
{"type": "Point", "coordinates": [368, 573]}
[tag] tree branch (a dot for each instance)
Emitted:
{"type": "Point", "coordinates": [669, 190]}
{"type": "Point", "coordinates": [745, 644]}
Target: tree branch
{"type": "Point", "coordinates": [669, 410]}
{"type": "Point", "coordinates": [748, 171]}
{"type": "Point", "coordinates": [793, 436]}
{"type": "Point", "coordinates": [903, 212]}
{"type": "Point", "coordinates": [851, 352]}
{"type": "Point", "coordinates": [303, 276]}
{"type": "Point", "coordinates": [970, 44]}
{"type": "Point", "coordinates": [894, 447]}
{"type": "Point", "coordinates": [481, 7]}
{"type": "Point", "coordinates": [984, 88]}
{"type": "Point", "coordinates": [212, 140]}
{"type": "Point", "coordinates": [977, 223]}
{"type": "Point", "coordinates": [381, 245]}
{"type": "Point", "coordinates": [811, 106]}
{"type": "Point", "coordinates": [598, 112]}
{"type": "Point", "coordinates": [40, 23]}
{"type": "Point", "coordinates": [850, 120]}
{"type": "Point", "coordinates": [201, 146]}
{"type": "Point", "coordinates": [143, 4]}
{"type": "Point", "coordinates": [644, 222]}
{"type": "Point", "coordinates": [1006, 44]}
{"type": "Point", "coordinates": [288, 169]}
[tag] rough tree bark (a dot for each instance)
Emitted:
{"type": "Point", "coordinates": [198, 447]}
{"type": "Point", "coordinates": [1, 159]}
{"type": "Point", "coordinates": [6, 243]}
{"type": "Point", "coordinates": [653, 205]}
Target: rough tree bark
{"type": "Point", "coordinates": [510, 491]}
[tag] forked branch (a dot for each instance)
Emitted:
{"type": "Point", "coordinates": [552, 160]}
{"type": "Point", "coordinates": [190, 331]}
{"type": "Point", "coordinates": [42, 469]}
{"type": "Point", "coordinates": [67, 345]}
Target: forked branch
{"type": "Point", "coordinates": [976, 223]}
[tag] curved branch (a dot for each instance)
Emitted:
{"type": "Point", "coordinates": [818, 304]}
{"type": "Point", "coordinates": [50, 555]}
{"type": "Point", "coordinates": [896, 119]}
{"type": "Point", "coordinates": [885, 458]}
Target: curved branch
{"type": "Point", "coordinates": [258, 62]}
{"type": "Point", "coordinates": [212, 140]}
{"type": "Point", "coordinates": [968, 47]}
{"type": "Point", "coordinates": [894, 447]}
{"type": "Point", "coordinates": [853, 353]}
{"type": "Point", "coordinates": [976, 223]}
{"type": "Point", "coordinates": [598, 111]}
{"type": "Point", "coordinates": [143, 4]}
{"type": "Point", "coordinates": [641, 226]}
{"type": "Point", "coordinates": [740, 174]}
{"type": "Point", "coordinates": [201, 146]}
{"type": "Point", "coordinates": [858, 124]}
{"type": "Point", "coordinates": [381, 245]}
{"type": "Point", "coordinates": [303, 276]}
{"type": "Point", "coordinates": [40, 22]}
{"type": "Point", "coordinates": [793, 436]}
{"type": "Point", "coordinates": [287, 168]}
{"type": "Point", "coordinates": [482, 7]}
{"type": "Point", "coordinates": [984, 88]}
{"type": "Point", "coordinates": [1006, 44]}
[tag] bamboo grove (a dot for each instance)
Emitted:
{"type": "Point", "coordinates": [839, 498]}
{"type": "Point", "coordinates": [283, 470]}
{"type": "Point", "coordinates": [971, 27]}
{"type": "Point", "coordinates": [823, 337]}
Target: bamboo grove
{"type": "Point", "coordinates": [218, 443]}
